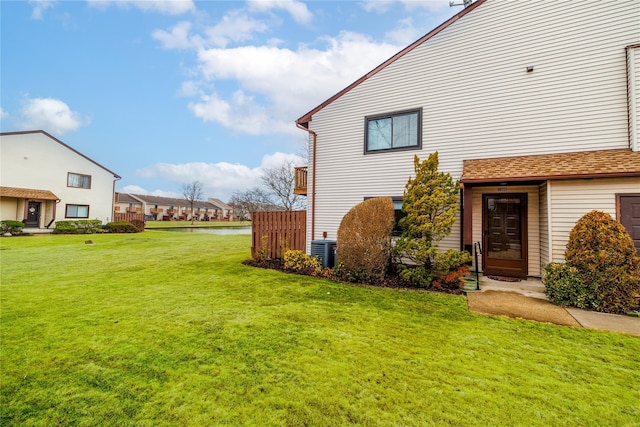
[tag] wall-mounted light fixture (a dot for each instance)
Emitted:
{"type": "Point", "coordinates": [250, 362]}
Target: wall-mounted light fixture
{"type": "Point", "coordinates": [529, 68]}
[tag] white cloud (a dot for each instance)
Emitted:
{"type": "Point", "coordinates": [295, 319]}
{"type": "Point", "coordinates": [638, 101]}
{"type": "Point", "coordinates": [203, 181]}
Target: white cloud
{"type": "Point", "coordinates": [3, 114]}
{"type": "Point", "coordinates": [277, 85]}
{"type": "Point", "coordinates": [405, 33]}
{"type": "Point", "coordinates": [219, 180]}
{"type": "Point", "coordinates": [382, 6]}
{"type": "Point", "coordinates": [298, 10]}
{"type": "Point", "coordinates": [39, 6]}
{"type": "Point", "coordinates": [178, 37]}
{"type": "Point", "coordinates": [236, 26]}
{"type": "Point", "coordinates": [51, 115]}
{"type": "Point", "coordinates": [167, 7]}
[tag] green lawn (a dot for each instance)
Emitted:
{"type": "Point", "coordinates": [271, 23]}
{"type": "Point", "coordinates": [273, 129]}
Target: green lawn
{"type": "Point", "coordinates": [207, 224]}
{"type": "Point", "coordinates": [163, 328]}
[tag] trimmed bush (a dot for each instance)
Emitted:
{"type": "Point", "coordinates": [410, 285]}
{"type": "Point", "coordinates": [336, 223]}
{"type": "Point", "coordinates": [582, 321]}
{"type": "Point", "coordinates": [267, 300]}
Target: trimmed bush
{"type": "Point", "coordinates": [364, 240]}
{"type": "Point", "coordinates": [563, 286]}
{"type": "Point", "coordinates": [299, 262]}
{"type": "Point", "coordinates": [121, 227]}
{"type": "Point", "coordinates": [78, 226]}
{"type": "Point", "coordinates": [11, 226]}
{"type": "Point", "coordinates": [605, 263]}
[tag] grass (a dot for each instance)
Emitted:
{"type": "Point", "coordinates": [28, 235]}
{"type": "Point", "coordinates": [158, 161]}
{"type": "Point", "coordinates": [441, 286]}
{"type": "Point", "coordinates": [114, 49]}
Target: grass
{"type": "Point", "coordinates": [187, 224]}
{"type": "Point", "coordinates": [164, 328]}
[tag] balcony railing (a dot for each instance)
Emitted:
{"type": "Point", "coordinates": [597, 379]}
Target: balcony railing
{"type": "Point", "coordinates": [155, 211]}
{"type": "Point", "coordinates": [300, 180]}
{"type": "Point", "coordinates": [134, 210]}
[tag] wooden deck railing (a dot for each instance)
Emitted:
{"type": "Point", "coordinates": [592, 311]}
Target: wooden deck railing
{"type": "Point", "coordinates": [274, 232]}
{"type": "Point", "coordinates": [300, 180]}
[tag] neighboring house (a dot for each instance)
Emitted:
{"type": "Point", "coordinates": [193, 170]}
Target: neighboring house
{"type": "Point", "coordinates": [223, 210]}
{"type": "Point", "coordinates": [533, 106]}
{"type": "Point", "coordinates": [158, 208]}
{"type": "Point", "coordinates": [44, 180]}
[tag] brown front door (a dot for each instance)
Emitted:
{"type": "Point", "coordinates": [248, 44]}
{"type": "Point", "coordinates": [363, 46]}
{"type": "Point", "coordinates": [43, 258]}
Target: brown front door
{"type": "Point", "coordinates": [630, 216]}
{"type": "Point", "coordinates": [33, 215]}
{"type": "Point", "coordinates": [504, 230]}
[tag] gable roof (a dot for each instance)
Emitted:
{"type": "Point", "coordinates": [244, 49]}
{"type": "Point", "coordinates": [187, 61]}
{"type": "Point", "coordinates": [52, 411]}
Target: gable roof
{"type": "Point", "coordinates": [164, 201]}
{"type": "Point", "coordinates": [306, 118]}
{"type": "Point", "coordinates": [63, 144]}
{"type": "Point", "coordinates": [219, 203]}
{"type": "Point", "coordinates": [27, 193]}
{"type": "Point", "coordinates": [584, 164]}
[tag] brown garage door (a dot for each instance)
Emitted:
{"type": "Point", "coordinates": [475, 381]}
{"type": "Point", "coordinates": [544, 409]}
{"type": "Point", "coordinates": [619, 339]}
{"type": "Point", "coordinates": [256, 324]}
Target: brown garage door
{"type": "Point", "coordinates": [629, 211]}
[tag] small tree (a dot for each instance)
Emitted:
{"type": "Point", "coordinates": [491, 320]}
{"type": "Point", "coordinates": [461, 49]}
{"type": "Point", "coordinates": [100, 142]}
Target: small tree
{"type": "Point", "coordinates": [430, 204]}
{"type": "Point", "coordinates": [192, 193]}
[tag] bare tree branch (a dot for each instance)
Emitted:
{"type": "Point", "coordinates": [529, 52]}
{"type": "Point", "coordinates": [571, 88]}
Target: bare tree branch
{"type": "Point", "coordinates": [192, 193]}
{"type": "Point", "coordinates": [279, 182]}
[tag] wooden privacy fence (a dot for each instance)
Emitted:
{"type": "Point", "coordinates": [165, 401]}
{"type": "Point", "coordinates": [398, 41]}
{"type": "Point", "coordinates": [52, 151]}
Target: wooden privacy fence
{"type": "Point", "coordinates": [117, 216]}
{"type": "Point", "coordinates": [274, 232]}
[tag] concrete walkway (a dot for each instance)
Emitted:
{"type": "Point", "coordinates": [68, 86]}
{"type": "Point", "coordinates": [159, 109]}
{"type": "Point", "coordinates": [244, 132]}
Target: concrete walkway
{"type": "Point", "coordinates": [526, 300]}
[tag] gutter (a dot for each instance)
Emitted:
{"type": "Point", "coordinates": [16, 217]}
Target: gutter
{"type": "Point", "coordinates": [313, 179]}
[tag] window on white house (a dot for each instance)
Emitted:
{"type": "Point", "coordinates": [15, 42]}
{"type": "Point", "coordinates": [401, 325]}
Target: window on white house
{"type": "Point", "coordinates": [78, 180]}
{"type": "Point", "coordinates": [394, 131]}
{"type": "Point", "coordinates": [76, 211]}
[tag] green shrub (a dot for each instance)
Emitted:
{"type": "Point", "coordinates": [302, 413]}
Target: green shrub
{"type": "Point", "coordinates": [78, 226]}
{"type": "Point", "coordinates": [418, 275]}
{"type": "Point", "coordinates": [563, 286]}
{"type": "Point", "coordinates": [299, 262]}
{"type": "Point", "coordinates": [121, 227]}
{"type": "Point", "coordinates": [606, 263]}
{"type": "Point", "coordinates": [364, 240]}
{"type": "Point", "coordinates": [11, 226]}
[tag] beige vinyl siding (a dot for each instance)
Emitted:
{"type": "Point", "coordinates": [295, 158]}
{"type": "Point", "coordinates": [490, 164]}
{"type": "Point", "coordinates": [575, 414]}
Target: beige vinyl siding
{"type": "Point", "coordinates": [544, 224]}
{"type": "Point", "coordinates": [633, 76]}
{"type": "Point", "coordinates": [571, 199]}
{"type": "Point", "coordinates": [533, 223]}
{"type": "Point", "coordinates": [478, 100]}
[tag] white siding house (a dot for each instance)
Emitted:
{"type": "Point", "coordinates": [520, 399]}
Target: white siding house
{"type": "Point", "coordinates": [533, 106]}
{"type": "Point", "coordinates": [44, 180]}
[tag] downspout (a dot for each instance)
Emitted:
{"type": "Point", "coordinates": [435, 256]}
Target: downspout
{"type": "Point", "coordinates": [313, 180]}
{"type": "Point", "coordinates": [113, 199]}
{"type": "Point", "coordinates": [55, 205]}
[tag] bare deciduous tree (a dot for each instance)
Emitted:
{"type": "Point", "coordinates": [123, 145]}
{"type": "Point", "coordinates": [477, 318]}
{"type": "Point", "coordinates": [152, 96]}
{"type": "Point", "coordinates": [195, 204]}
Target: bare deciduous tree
{"type": "Point", "coordinates": [192, 193]}
{"type": "Point", "coordinates": [252, 200]}
{"type": "Point", "coordinates": [279, 182]}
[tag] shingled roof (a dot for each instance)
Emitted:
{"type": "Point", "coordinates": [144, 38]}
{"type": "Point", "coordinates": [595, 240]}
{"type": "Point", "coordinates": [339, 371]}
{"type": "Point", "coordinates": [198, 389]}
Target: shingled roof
{"type": "Point", "coordinates": [584, 164]}
{"type": "Point", "coordinates": [27, 193]}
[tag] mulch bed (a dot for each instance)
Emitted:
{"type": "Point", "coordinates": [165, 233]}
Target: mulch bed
{"type": "Point", "coordinates": [391, 280]}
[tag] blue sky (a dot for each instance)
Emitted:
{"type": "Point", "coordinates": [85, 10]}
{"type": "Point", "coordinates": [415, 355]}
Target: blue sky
{"type": "Point", "coordinates": [167, 92]}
